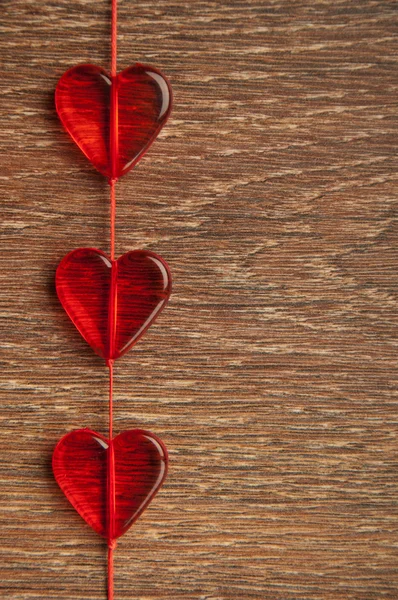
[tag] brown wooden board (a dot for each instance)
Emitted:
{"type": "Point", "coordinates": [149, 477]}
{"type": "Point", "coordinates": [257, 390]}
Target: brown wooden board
{"type": "Point", "coordinates": [272, 374]}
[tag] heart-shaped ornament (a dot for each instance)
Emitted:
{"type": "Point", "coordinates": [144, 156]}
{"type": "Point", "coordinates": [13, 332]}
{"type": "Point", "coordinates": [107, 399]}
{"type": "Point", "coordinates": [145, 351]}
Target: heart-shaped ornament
{"type": "Point", "coordinates": [110, 483]}
{"type": "Point", "coordinates": [113, 120]}
{"type": "Point", "coordinates": [112, 303]}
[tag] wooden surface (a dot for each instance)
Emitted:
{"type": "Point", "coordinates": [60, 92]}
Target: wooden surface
{"type": "Point", "coordinates": [272, 374]}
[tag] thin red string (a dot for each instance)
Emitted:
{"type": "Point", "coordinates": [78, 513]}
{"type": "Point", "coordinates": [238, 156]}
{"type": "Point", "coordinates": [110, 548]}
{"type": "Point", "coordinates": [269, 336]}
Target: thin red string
{"type": "Point", "coordinates": [114, 124]}
{"type": "Point", "coordinates": [111, 548]}
{"type": "Point", "coordinates": [114, 38]}
{"type": "Point", "coordinates": [112, 183]}
{"type": "Point", "coordinates": [110, 573]}
{"type": "Point", "coordinates": [110, 365]}
{"type": "Point", "coordinates": [111, 489]}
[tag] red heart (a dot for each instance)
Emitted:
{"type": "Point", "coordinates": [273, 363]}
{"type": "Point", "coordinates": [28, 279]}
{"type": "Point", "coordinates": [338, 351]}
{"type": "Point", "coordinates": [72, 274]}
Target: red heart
{"type": "Point", "coordinates": [112, 303]}
{"type": "Point", "coordinates": [113, 120]}
{"type": "Point", "coordinates": [81, 465]}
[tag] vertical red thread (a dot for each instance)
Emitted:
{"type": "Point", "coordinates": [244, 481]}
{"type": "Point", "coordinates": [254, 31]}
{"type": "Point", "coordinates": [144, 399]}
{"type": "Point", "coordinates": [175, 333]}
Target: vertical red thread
{"type": "Point", "coordinates": [112, 183]}
{"type": "Point", "coordinates": [111, 494]}
{"type": "Point", "coordinates": [110, 573]}
{"type": "Point", "coordinates": [113, 142]}
{"type": "Point", "coordinates": [111, 548]}
{"type": "Point", "coordinates": [111, 489]}
{"type": "Point", "coordinates": [110, 365]}
{"type": "Point", "coordinates": [111, 500]}
{"type": "Point", "coordinates": [114, 38]}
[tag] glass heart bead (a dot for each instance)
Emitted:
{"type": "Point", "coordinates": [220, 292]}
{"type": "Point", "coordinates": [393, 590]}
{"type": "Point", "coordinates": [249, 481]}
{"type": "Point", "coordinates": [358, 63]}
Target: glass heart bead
{"type": "Point", "coordinates": [81, 469]}
{"type": "Point", "coordinates": [112, 303]}
{"type": "Point", "coordinates": [113, 120]}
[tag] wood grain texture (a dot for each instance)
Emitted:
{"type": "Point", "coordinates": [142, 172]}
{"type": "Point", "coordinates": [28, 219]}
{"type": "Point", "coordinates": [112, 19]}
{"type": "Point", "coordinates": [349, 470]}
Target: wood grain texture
{"type": "Point", "coordinates": [271, 376]}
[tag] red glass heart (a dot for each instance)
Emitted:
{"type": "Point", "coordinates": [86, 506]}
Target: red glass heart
{"type": "Point", "coordinates": [81, 465]}
{"type": "Point", "coordinates": [113, 120]}
{"type": "Point", "coordinates": [112, 303]}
